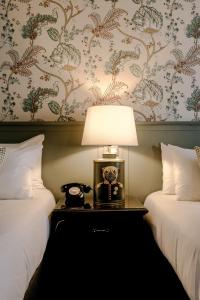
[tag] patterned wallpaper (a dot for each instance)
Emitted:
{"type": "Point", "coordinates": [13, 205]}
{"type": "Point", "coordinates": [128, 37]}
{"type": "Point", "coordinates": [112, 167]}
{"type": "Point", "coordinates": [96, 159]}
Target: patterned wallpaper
{"type": "Point", "coordinates": [58, 57]}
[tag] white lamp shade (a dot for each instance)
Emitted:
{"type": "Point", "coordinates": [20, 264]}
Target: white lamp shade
{"type": "Point", "coordinates": [110, 125]}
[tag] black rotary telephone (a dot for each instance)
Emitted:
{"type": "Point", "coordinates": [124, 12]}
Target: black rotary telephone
{"type": "Point", "coordinates": [74, 194]}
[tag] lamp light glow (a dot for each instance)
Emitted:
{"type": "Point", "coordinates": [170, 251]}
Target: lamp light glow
{"type": "Point", "coordinates": [110, 126]}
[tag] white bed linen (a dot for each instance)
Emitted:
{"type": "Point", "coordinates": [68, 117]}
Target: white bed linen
{"type": "Point", "coordinates": [24, 230]}
{"type": "Point", "coordinates": [176, 227]}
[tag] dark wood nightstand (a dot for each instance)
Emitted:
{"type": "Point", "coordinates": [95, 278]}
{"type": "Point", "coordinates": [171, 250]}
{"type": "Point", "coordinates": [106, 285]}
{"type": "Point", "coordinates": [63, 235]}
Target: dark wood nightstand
{"type": "Point", "coordinates": [96, 249]}
{"type": "Point", "coordinates": [98, 221]}
{"type": "Point", "coordinates": [106, 233]}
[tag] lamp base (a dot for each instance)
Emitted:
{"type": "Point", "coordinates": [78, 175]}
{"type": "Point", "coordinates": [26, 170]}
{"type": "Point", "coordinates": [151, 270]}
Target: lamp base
{"type": "Point", "coordinates": [109, 191]}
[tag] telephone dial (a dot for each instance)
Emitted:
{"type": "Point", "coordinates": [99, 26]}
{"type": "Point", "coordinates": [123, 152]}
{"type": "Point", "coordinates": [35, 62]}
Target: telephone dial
{"type": "Point", "coordinates": [74, 194]}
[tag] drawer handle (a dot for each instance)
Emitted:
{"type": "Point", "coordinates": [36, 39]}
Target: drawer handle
{"type": "Point", "coordinates": [58, 225]}
{"type": "Point", "coordinates": [100, 230]}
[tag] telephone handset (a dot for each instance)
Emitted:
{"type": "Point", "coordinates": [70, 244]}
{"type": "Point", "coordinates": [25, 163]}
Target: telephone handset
{"type": "Point", "coordinates": [74, 194]}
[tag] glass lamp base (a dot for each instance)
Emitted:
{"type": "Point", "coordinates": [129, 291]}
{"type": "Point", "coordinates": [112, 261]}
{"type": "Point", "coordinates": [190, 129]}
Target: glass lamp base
{"type": "Point", "coordinates": [109, 183]}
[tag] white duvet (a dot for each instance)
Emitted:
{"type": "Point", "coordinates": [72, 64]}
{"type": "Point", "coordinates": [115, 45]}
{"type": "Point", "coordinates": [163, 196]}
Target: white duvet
{"type": "Point", "coordinates": [24, 230]}
{"type": "Point", "coordinates": [176, 228]}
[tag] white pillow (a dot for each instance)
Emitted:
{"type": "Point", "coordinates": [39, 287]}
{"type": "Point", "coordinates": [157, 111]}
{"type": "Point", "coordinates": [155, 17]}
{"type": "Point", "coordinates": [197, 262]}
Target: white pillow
{"type": "Point", "coordinates": [186, 173]}
{"type": "Point", "coordinates": [15, 174]}
{"type": "Point", "coordinates": [34, 157]}
{"type": "Point", "coordinates": [167, 170]}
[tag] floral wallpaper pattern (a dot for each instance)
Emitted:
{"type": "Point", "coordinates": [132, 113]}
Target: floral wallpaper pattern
{"type": "Point", "coordinates": [58, 57]}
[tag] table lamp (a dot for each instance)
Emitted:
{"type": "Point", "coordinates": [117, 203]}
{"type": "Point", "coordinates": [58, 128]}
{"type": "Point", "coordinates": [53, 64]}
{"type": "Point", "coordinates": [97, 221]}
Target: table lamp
{"type": "Point", "coordinates": [109, 126]}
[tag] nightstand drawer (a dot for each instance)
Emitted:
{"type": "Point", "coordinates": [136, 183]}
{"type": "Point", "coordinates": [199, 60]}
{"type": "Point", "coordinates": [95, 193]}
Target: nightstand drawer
{"type": "Point", "coordinates": [98, 235]}
{"type": "Point", "coordinates": [96, 222]}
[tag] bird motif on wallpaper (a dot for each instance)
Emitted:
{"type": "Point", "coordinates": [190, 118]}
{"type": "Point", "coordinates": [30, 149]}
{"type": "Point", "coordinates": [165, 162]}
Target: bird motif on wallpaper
{"type": "Point", "coordinates": [110, 95]}
{"type": "Point", "coordinates": [22, 66]}
{"type": "Point", "coordinates": [103, 28]}
{"type": "Point", "coordinates": [185, 64]}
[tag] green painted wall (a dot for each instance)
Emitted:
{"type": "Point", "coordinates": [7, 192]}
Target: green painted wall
{"type": "Point", "coordinates": [64, 160]}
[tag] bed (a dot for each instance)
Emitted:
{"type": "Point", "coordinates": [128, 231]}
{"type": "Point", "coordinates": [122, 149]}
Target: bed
{"type": "Point", "coordinates": [25, 206]}
{"type": "Point", "coordinates": [175, 225]}
{"type": "Point", "coordinates": [174, 215]}
{"type": "Point", "coordinates": [24, 230]}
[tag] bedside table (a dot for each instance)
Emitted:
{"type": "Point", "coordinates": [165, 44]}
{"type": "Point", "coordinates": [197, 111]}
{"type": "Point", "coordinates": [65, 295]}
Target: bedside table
{"type": "Point", "coordinates": [94, 221]}
{"type": "Point", "coordinates": [96, 249]}
{"type": "Point", "coordinates": [104, 254]}
{"type": "Point", "coordinates": [103, 236]}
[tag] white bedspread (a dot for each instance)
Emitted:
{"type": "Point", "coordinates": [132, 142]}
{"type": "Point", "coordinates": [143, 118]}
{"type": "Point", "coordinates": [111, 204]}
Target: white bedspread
{"type": "Point", "coordinates": [176, 228]}
{"type": "Point", "coordinates": [24, 230]}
